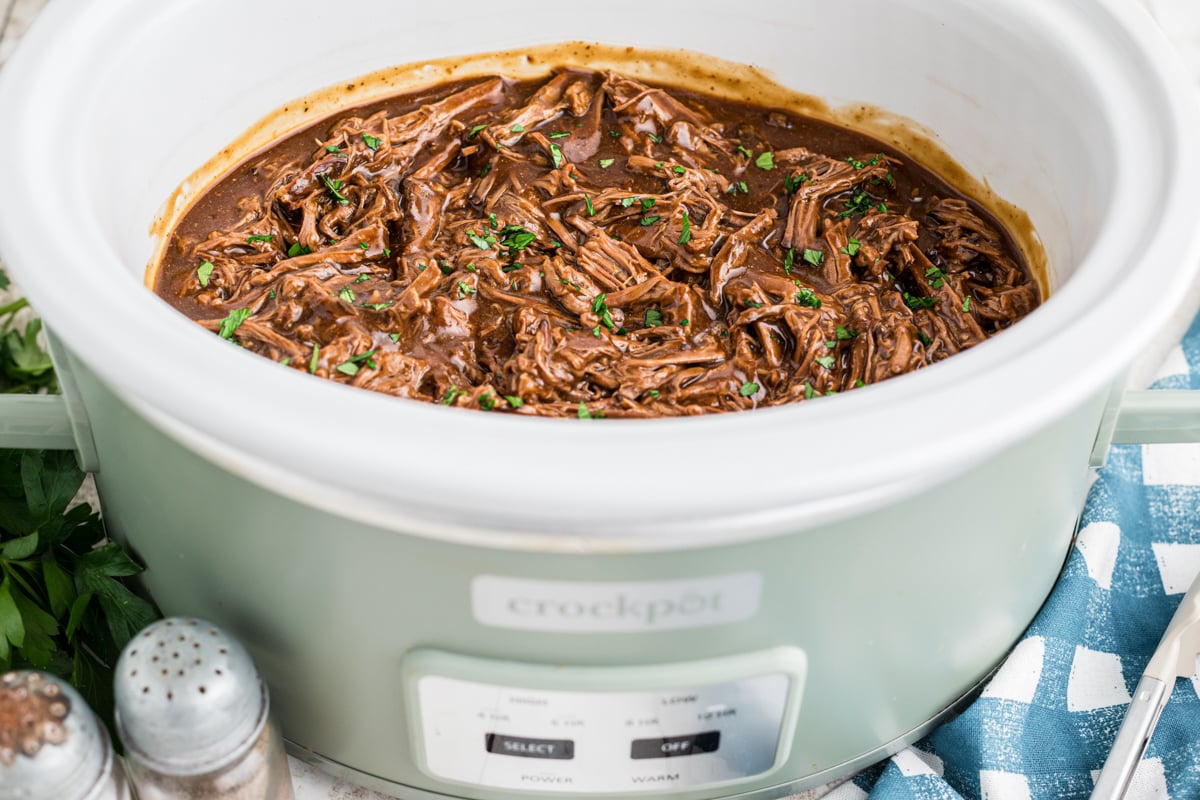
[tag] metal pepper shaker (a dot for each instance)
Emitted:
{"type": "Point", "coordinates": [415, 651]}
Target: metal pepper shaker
{"type": "Point", "coordinates": [52, 747]}
{"type": "Point", "coordinates": [194, 717]}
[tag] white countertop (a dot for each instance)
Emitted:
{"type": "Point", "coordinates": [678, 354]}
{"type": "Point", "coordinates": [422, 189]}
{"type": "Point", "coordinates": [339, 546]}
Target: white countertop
{"type": "Point", "coordinates": [1181, 19]}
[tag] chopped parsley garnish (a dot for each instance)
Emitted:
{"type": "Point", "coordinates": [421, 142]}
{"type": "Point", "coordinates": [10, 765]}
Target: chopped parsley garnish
{"type": "Point", "coordinates": [915, 303]}
{"type": "Point", "coordinates": [347, 294]}
{"type": "Point", "coordinates": [204, 272]}
{"type": "Point", "coordinates": [486, 169]}
{"type": "Point", "coordinates": [452, 394]}
{"type": "Point", "coordinates": [232, 322]}
{"type": "Point", "coordinates": [860, 165]}
{"type": "Point", "coordinates": [445, 267]}
{"type": "Point", "coordinates": [366, 276]}
{"type": "Point", "coordinates": [364, 246]}
{"type": "Point", "coordinates": [312, 362]}
{"type": "Point", "coordinates": [653, 394]}
{"type": "Point", "coordinates": [482, 242]}
{"type": "Point", "coordinates": [648, 203]}
{"type": "Point", "coordinates": [924, 337]}
{"type": "Point", "coordinates": [260, 237]}
{"type": "Point", "coordinates": [748, 388]}
{"type": "Point", "coordinates": [936, 277]}
{"type": "Point", "coordinates": [587, 202]}
{"type": "Point", "coordinates": [556, 154]}
{"type": "Point", "coordinates": [685, 235]}
{"type": "Point", "coordinates": [347, 368]}
{"type": "Point", "coordinates": [791, 184]}
{"type": "Point", "coordinates": [814, 257]}
{"type": "Point", "coordinates": [810, 392]}
{"type": "Point", "coordinates": [744, 151]}
{"type": "Point", "coordinates": [766, 161]}
{"type": "Point", "coordinates": [826, 361]}
{"type": "Point", "coordinates": [806, 297]}
{"type": "Point", "coordinates": [852, 248]}
{"type": "Point", "coordinates": [646, 222]}
{"type": "Point", "coordinates": [516, 238]}
{"type": "Point", "coordinates": [653, 318]}
{"type": "Point", "coordinates": [846, 334]}
{"type": "Point", "coordinates": [298, 249]}
{"type": "Point", "coordinates": [372, 142]}
{"type": "Point", "coordinates": [465, 289]}
{"type": "Point", "coordinates": [966, 305]}
{"type": "Point", "coordinates": [600, 307]}
{"type": "Point", "coordinates": [395, 337]}
{"type": "Point", "coordinates": [605, 163]}
{"type": "Point", "coordinates": [332, 148]}
{"type": "Point", "coordinates": [655, 138]}
{"type": "Point", "coordinates": [513, 401]}
{"type": "Point", "coordinates": [379, 306]}
{"type": "Point", "coordinates": [271, 294]}
{"type": "Point", "coordinates": [789, 258]}
{"type": "Point", "coordinates": [511, 267]}
{"type": "Point", "coordinates": [614, 134]}
{"type": "Point", "coordinates": [684, 322]}
{"type": "Point", "coordinates": [487, 401]}
{"type": "Point", "coordinates": [596, 331]}
{"type": "Point", "coordinates": [335, 189]}
{"type": "Point", "coordinates": [678, 170]}
{"type": "Point", "coordinates": [475, 131]}
{"type": "Point", "coordinates": [560, 134]}
{"type": "Point", "coordinates": [626, 202]}
{"type": "Point", "coordinates": [517, 128]}
{"type": "Point", "coordinates": [859, 203]}
{"type": "Point", "coordinates": [583, 412]}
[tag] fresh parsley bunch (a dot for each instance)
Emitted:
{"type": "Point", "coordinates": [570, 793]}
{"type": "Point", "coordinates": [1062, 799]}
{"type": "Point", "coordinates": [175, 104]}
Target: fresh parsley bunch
{"type": "Point", "coordinates": [25, 368]}
{"type": "Point", "coordinates": [63, 607]}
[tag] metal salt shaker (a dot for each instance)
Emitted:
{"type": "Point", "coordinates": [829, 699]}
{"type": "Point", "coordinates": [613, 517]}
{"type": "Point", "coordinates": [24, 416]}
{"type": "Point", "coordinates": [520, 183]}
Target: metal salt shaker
{"type": "Point", "coordinates": [52, 747]}
{"type": "Point", "coordinates": [194, 717]}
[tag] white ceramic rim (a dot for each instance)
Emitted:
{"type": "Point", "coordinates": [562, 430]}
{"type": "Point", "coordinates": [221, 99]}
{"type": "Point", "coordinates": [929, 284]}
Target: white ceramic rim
{"type": "Point", "coordinates": [636, 483]}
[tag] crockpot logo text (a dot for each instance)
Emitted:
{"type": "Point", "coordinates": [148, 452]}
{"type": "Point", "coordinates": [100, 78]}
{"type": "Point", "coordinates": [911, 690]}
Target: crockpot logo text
{"type": "Point", "coordinates": [625, 607]}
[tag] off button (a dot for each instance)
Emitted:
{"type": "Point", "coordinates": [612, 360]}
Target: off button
{"type": "Point", "coordinates": [529, 748]}
{"type": "Point", "coordinates": [675, 746]}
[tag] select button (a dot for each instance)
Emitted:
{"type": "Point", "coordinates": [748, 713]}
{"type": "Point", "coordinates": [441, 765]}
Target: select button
{"type": "Point", "coordinates": [673, 746]}
{"type": "Point", "coordinates": [529, 748]}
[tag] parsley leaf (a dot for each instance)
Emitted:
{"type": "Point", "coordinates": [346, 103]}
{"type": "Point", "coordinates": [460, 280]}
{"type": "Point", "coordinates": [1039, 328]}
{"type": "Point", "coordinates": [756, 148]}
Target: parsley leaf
{"type": "Point", "coordinates": [826, 361]}
{"type": "Point", "coordinates": [298, 249]}
{"type": "Point", "coordinates": [846, 334]}
{"type": "Point", "coordinates": [232, 322]}
{"type": "Point", "coordinates": [765, 161]}
{"type": "Point", "coordinates": [748, 388]}
{"type": "Point", "coordinates": [686, 235]}
{"type": "Point", "coordinates": [814, 257]}
{"type": "Point", "coordinates": [204, 272]}
{"type": "Point", "coordinates": [556, 154]}
{"type": "Point", "coordinates": [335, 189]}
{"type": "Point", "coordinates": [852, 248]}
{"type": "Point", "coordinates": [605, 163]}
{"type": "Point", "coordinates": [653, 318]}
{"type": "Point", "coordinates": [513, 401]}
{"type": "Point", "coordinates": [372, 142]}
{"type": "Point", "coordinates": [916, 303]}
{"type": "Point", "coordinates": [806, 297]}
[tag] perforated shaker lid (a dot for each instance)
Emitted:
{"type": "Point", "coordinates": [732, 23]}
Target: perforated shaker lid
{"type": "Point", "coordinates": [52, 747]}
{"type": "Point", "coordinates": [188, 697]}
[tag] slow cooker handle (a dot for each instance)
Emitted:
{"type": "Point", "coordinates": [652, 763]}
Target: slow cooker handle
{"type": "Point", "coordinates": [50, 421]}
{"type": "Point", "coordinates": [1159, 416]}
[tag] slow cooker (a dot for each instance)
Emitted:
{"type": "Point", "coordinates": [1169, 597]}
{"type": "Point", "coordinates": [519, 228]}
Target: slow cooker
{"type": "Point", "coordinates": [454, 604]}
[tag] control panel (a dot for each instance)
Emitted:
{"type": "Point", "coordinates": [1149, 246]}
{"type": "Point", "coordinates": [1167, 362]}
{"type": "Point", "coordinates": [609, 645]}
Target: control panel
{"type": "Point", "coordinates": [594, 729]}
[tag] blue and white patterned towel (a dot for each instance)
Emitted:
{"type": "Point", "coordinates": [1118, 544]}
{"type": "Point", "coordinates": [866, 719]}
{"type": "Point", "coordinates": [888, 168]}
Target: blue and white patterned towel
{"type": "Point", "coordinates": [1043, 726]}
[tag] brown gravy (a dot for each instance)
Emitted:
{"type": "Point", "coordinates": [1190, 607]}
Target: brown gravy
{"type": "Point", "coordinates": [592, 245]}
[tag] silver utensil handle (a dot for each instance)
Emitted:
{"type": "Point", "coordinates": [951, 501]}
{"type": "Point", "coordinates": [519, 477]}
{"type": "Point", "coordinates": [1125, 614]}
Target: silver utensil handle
{"type": "Point", "coordinates": [1148, 701]}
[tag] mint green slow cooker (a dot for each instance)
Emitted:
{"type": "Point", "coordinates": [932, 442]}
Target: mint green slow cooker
{"type": "Point", "coordinates": [456, 604]}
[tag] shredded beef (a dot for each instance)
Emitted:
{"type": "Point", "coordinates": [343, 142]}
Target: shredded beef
{"type": "Point", "coordinates": [592, 246]}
